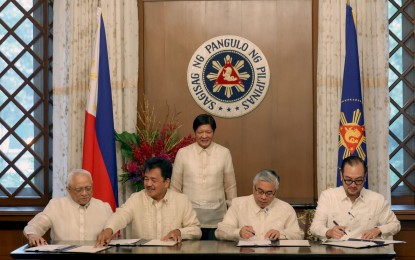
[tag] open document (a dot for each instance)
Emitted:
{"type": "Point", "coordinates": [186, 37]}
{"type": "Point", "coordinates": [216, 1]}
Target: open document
{"type": "Point", "coordinates": [85, 249]}
{"type": "Point", "coordinates": [293, 243]}
{"type": "Point", "coordinates": [124, 242]}
{"type": "Point", "coordinates": [158, 242]}
{"type": "Point", "coordinates": [48, 248]}
{"type": "Point", "coordinates": [277, 243]}
{"type": "Point", "coordinates": [66, 249]}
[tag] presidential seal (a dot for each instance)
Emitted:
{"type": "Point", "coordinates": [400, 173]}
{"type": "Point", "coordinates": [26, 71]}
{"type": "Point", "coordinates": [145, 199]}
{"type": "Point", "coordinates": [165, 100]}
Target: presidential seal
{"type": "Point", "coordinates": [228, 76]}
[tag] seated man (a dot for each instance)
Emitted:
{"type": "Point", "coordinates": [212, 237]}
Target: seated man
{"type": "Point", "coordinates": [353, 211]}
{"type": "Point", "coordinates": [74, 217]}
{"type": "Point", "coordinates": [261, 215]}
{"type": "Point", "coordinates": [155, 212]}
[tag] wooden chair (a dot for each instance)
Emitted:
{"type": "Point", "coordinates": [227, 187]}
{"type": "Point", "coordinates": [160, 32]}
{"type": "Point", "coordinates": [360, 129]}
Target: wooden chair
{"type": "Point", "coordinates": [305, 218]}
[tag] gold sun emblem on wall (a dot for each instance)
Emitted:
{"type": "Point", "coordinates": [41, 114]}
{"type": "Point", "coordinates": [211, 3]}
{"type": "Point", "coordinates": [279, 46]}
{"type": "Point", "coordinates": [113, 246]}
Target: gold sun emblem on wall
{"type": "Point", "coordinates": [228, 76]}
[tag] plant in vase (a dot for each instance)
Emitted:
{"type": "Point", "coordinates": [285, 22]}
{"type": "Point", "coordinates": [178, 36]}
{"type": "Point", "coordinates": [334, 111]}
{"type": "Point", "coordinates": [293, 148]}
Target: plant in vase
{"type": "Point", "coordinates": [153, 139]}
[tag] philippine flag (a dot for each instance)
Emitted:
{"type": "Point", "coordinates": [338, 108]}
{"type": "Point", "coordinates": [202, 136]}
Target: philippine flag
{"type": "Point", "coordinates": [99, 142]}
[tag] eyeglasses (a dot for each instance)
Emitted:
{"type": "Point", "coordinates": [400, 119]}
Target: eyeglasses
{"type": "Point", "coordinates": [357, 182]}
{"type": "Point", "coordinates": [261, 192]}
{"type": "Point", "coordinates": [79, 190]}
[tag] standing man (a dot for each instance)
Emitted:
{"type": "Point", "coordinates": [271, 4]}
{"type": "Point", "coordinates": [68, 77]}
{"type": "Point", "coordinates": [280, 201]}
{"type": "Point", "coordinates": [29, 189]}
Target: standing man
{"type": "Point", "coordinates": [260, 215]}
{"type": "Point", "coordinates": [155, 212]}
{"type": "Point", "coordinates": [78, 216]}
{"type": "Point", "coordinates": [351, 210]}
{"type": "Point", "coordinates": [204, 171]}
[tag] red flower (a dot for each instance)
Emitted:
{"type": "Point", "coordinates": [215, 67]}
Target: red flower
{"type": "Point", "coordinates": [161, 143]}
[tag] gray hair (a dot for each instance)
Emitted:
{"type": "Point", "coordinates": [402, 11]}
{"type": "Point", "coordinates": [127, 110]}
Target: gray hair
{"type": "Point", "coordinates": [78, 171]}
{"type": "Point", "coordinates": [267, 175]}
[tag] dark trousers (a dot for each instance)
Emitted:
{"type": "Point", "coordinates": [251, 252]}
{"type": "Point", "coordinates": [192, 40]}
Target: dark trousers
{"type": "Point", "coordinates": [208, 234]}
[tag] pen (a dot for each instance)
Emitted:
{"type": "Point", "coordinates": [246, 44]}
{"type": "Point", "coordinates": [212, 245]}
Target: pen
{"type": "Point", "coordinates": [335, 223]}
{"type": "Point", "coordinates": [250, 231]}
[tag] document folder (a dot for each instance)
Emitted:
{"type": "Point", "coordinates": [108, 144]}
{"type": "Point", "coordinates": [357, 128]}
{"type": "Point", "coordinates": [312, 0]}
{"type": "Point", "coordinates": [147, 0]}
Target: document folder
{"type": "Point", "coordinates": [48, 248]}
{"type": "Point", "coordinates": [141, 242]}
{"type": "Point", "coordinates": [360, 243]}
{"type": "Point", "coordinates": [66, 249]}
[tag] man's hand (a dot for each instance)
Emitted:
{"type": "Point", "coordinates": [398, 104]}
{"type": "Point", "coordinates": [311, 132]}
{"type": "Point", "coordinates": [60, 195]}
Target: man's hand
{"type": "Point", "coordinates": [36, 240]}
{"type": "Point", "coordinates": [272, 234]}
{"type": "Point", "coordinates": [174, 235]}
{"type": "Point", "coordinates": [336, 232]}
{"type": "Point", "coordinates": [104, 237]}
{"type": "Point", "coordinates": [371, 233]}
{"type": "Point", "coordinates": [247, 232]}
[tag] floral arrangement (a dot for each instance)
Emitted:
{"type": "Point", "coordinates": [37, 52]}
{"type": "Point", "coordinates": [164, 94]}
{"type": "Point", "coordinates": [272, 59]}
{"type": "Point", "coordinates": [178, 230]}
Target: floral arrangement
{"type": "Point", "coordinates": [153, 139]}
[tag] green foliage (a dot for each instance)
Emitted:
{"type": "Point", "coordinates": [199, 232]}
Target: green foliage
{"type": "Point", "coordinates": [127, 139]}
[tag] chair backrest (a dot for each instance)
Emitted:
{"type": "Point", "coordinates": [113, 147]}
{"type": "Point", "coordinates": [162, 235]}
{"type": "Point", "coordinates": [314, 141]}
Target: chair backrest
{"type": "Point", "coordinates": [305, 218]}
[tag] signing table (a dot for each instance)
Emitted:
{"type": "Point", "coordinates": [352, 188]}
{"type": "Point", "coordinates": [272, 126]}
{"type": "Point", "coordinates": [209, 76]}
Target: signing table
{"type": "Point", "coordinates": [215, 250]}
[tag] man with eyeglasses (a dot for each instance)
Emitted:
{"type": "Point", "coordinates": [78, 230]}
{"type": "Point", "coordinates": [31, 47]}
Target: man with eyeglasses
{"type": "Point", "coordinates": [351, 211]}
{"type": "Point", "coordinates": [77, 217]}
{"type": "Point", "coordinates": [261, 215]}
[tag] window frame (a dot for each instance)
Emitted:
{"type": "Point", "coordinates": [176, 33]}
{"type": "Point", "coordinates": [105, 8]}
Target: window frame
{"type": "Point", "coordinates": [36, 187]}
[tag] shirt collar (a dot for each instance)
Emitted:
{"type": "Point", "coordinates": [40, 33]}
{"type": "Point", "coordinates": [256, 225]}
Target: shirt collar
{"type": "Point", "coordinates": [208, 150]}
{"type": "Point", "coordinates": [86, 205]}
{"type": "Point", "coordinates": [343, 195]}
{"type": "Point", "coordinates": [77, 205]}
{"type": "Point", "coordinates": [361, 196]}
{"type": "Point", "coordinates": [258, 209]}
{"type": "Point", "coordinates": [166, 198]}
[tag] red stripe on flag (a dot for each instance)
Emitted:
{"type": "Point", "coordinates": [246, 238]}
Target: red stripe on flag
{"type": "Point", "coordinates": [94, 163]}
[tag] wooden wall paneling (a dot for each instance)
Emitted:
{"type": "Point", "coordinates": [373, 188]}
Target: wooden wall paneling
{"type": "Point", "coordinates": [407, 250]}
{"type": "Point", "coordinates": [406, 215]}
{"type": "Point", "coordinates": [279, 133]}
{"type": "Point", "coordinates": [10, 240]}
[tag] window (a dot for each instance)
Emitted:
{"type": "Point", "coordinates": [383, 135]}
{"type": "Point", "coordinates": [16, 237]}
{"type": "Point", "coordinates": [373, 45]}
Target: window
{"type": "Point", "coordinates": [25, 102]}
{"type": "Point", "coordinates": [402, 108]}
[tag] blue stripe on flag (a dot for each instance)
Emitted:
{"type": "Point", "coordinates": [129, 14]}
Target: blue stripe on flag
{"type": "Point", "coordinates": [104, 118]}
